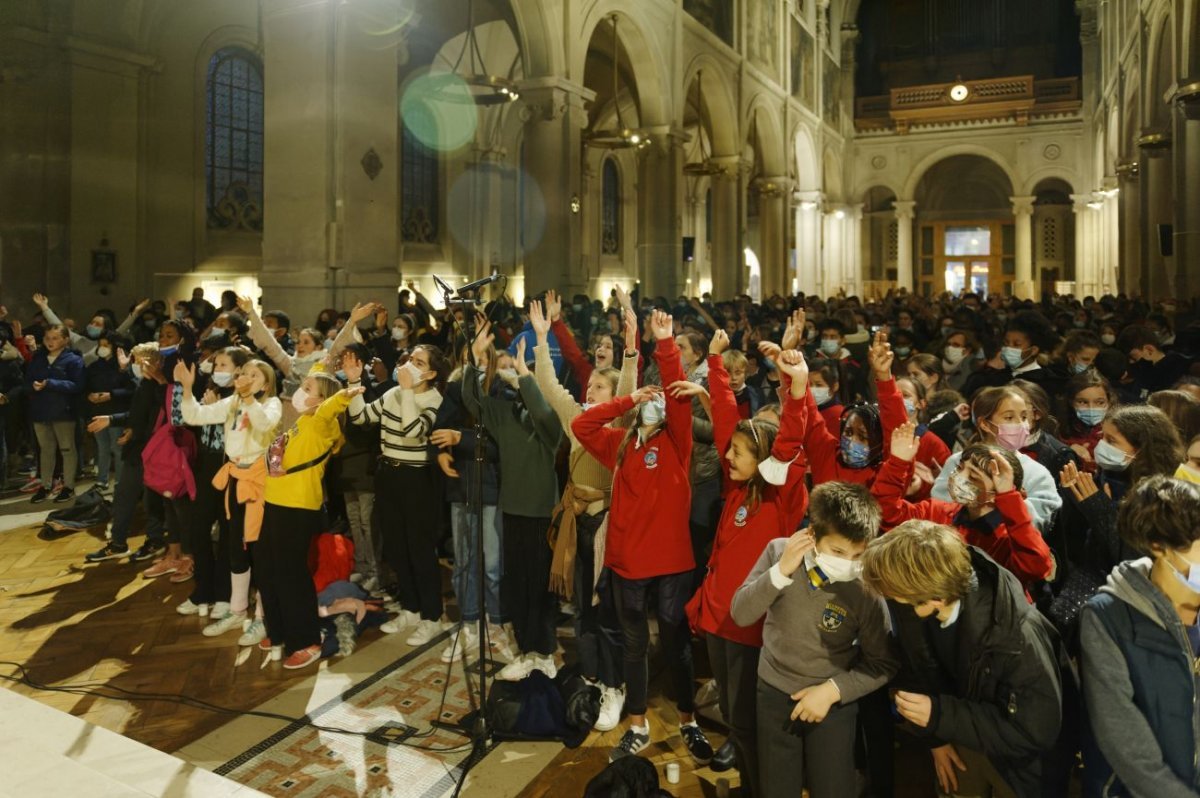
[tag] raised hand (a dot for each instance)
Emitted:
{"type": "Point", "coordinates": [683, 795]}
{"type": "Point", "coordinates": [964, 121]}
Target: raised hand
{"type": "Point", "coordinates": [185, 375]}
{"type": "Point", "coordinates": [520, 364]}
{"type": "Point", "coordinates": [245, 304]}
{"type": "Point", "coordinates": [799, 544]}
{"type": "Point", "coordinates": [792, 363]}
{"type": "Point", "coordinates": [623, 298]}
{"type": "Point", "coordinates": [352, 366]}
{"type": "Point", "coordinates": [881, 357]}
{"type": "Point", "coordinates": [363, 310]}
{"type": "Point", "coordinates": [631, 331]}
{"type": "Point", "coordinates": [18, 330]}
{"type": "Point", "coordinates": [481, 347]}
{"type": "Point", "coordinates": [41, 301]}
{"type": "Point", "coordinates": [793, 334]}
{"type": "Point", "coordinates": [553, 305]}
{"type": "Point", "coordinates": [905, 442]}
{"type": "Point", "coordinates": [353, 391]}
{"type": "Point", "coordinates": [539, 321]}
{"type": "Point", "coordinates": [684, 389]}
{"type": "Point", "coordinates": [719, 343]}
{"type": "Point", "coordinates": [645, 394]}
{"type": "Point", "coordinates": [770, 350]}
{"type": "Point", "coordinates": [662, 324]}
{"type": "Point", "coordinates": [1002, 473]}
{"type": "Point", "coordinates": [404, 378]}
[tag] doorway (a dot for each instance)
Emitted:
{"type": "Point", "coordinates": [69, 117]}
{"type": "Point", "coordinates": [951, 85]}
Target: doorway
{"type": "Point", "coordinates": [973, 255]}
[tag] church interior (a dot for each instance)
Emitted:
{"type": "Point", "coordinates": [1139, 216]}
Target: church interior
{"type": "Point", "coordinates": [317, 154]}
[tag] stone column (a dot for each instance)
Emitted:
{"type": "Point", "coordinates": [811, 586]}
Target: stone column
{"type": "Point", "coordinates": [331, 173]}
{"type": "Point", "coordinates": [1023, 211]}
{"type": "Point", "coordinates": [555, 119]}
{"type": "Point", "coordinates": [905, 212]}
{"type": "Point", "coordinates": [1187, 188]}
{"type": "Point", "coordinates": [808, 240]}
{"type": "Point", "coordinates": [833, 256]}
{"type": "Point", "coordinates": [773, 206]}
{"type": "Point", "coordinates": [1084, 251]}
{"type": "Point", "coordinates": [1129, 207]}
{"type": "Point", "coordinates": [852, 253]}
{"type": "Point", "coordinates": [727, 258]}
{"type": "Point", "coordinates": [660, 197]}
{"type": "Point", "coordinates": [1157, 200]}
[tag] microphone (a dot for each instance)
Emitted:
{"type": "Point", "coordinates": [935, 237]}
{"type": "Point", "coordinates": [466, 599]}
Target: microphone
{"type": "Point", "coordinates": [442, 285]}
{"type": "Point", "coordinates": [475, 286]}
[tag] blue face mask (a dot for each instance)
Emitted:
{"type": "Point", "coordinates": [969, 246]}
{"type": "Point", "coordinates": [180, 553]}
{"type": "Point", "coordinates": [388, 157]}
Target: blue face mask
{"type": "Point", "coordinates": [903, 351]}
{"type": "Point", "coordinates": [830, 346]}
{"type": "Point", "coordinates": [1012, 356]}
{"type": "Point", "coordinates": [94, 331]}
{"type": "Point", "coordinates": [854, 453]}
{"type": "Point", "coordinates": [1079, 368]}
{"type": "Point", "coordinates": [1091, 416]}
{"type": "Point", "coordinates": [341, 375]}
{"type": "Point", "coordinates": [327, 344]}
{"type": "Point", "coordinates": [910, 406]}
{"type": "Point", "coordinates": [168, 351]}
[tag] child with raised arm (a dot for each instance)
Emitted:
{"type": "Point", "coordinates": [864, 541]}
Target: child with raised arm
{"type": "Point", "coordinates": [648, 547]}
{"type": "Point", "coordinates": [765, 499]}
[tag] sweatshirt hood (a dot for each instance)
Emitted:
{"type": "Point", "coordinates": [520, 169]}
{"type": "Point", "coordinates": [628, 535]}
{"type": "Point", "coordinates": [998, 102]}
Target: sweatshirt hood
{"type": "Point", "coordinates": [1130, 582]}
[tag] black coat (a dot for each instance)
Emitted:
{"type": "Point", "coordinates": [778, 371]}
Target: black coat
{"type": "Point", "coordinates": [1007, 701]}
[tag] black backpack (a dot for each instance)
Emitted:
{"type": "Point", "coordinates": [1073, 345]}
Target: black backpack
{"type": "Point", "coordinates": [89, 510]}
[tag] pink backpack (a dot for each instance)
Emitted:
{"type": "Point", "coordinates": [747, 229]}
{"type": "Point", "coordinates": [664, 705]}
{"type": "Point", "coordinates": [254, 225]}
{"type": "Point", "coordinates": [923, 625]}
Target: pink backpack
{"type": "Point", "coordinates": [168, 456]}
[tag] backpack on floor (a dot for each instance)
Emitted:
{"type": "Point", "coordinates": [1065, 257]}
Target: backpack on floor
{"type": "Point", "coordinates": [627, 777]}
{"type": "Point", "coordinates": [168, 456]}
{"type": "Point", "coordinates": [539, 708]}
{"type": "Point", "coordinates": [89, 510]}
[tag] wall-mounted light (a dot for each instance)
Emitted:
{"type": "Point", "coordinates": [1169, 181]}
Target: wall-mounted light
{"type": "Point", "coordinates": [576, 205]}
{"type": "Point", "coordinates": [839, 214]}
{"type": "Point", "coordinates": [808, 205]}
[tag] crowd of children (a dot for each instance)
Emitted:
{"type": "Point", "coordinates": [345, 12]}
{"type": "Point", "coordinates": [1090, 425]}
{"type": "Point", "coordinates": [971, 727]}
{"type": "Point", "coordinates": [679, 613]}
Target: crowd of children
{"type": "Point", "coordinates": [973, 519]}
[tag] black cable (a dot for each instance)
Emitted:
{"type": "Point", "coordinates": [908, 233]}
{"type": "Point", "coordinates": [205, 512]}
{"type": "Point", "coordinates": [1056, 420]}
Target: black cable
{"type": "Point", "coordinates": [97, 689]}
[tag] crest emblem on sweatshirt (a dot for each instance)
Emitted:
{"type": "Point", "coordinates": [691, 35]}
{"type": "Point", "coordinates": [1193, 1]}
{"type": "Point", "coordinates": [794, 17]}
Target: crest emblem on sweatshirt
{"type": "Point", "coordinates": [651, 458]}
{"type": "Point", "coordinates": [739, 518]}
{"type": "Point", "coordinates": [833, 617]}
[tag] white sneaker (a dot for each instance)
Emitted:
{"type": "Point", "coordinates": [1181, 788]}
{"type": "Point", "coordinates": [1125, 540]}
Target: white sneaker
{"type": "Point", "coordinates": [220, 609]}
{"type": "Point", "coordinates": [402, 621]}
{"type": "Point", "coordinates": [544, 664]}
{"type": "Point", "coordinates": [227, 624]}
{"type": "Point", "coordinates": [612, 701]}
{"type": "Point", "coordinates": [188, 608]}
{"type": "Point", "coordinates": [516, 670]}
{"type": "Point", "coordinates": [425, 631]}
{"type": "Point", "coordinates": [466, 642]}
{"type": "Point", "coordinates": [501, 643]}
{"type": "Point", "coordinates": [256, 630]}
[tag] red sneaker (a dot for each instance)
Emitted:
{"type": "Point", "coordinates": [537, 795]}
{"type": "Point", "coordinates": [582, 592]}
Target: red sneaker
{"type": "Point", "coordinates": [303, 658]}
{"type": "Point", "coordinates": [264, 644]}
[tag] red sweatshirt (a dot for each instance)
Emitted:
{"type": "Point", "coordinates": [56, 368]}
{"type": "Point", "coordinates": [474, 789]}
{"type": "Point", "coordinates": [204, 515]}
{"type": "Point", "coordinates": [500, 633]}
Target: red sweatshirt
{"type": "Point", "coordinates": [832, 413]}
{"type": "Point", "coordinates": [651, 496]}
{"type": "Point", "coordinates": [575, 357]}
{"type": "Point", "coordinates": [932, 452]}
{"type": "Point", "coordinates": [821, 447]}
{"type": "Point", "coordinates": [743, 535]}
{"type": "Point", "coordinates": [1015, 542]}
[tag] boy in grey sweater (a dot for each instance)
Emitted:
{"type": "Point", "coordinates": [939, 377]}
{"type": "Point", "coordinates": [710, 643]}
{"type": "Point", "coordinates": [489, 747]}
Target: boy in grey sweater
{"type": "Point", "coordinates": [825, 645]}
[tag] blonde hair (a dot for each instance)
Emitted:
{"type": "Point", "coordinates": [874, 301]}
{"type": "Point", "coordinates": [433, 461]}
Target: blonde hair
{"type": "Point", "coordinates": [733, 358]}
{"type": "Point", "coordinates": [148, 352]}
{"type": "Point", "coordinates": [268, 375]}
{"type": "Point", "coordinates": [918, 561]}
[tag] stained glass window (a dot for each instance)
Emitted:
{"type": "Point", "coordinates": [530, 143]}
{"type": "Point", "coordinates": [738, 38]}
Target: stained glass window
{"type": "Point", "coordinates": [233, 146]}
{"type": "Point", "coordinates": [610, 229]}
{"type": "Point", "coordinates": [419, 195]}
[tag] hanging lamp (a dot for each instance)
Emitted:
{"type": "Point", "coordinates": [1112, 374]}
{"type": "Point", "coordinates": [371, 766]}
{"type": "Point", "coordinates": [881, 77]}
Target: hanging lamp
{"type": "Point", "coordinates": [705, 166]}
{"type": "Point", "coordinates": [478, 87]}
{"type": "Point", "coordinates": [622, 136]}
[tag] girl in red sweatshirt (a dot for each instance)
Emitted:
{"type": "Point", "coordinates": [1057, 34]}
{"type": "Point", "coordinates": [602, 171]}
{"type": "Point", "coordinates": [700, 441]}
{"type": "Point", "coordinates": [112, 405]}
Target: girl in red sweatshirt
{"type": "Point", "coordinates": [648, 550]}
{"type": "Point", "coordinates": [988, 510]}
{"type": "Point", "coordinates": [765, 498]}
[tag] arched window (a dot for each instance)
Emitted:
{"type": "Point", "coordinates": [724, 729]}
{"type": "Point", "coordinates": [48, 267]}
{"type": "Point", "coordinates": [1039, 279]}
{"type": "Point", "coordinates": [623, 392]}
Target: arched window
{"type": "Point", "coordinates": [610, 228]}
{"type": "Point", "coordinates": [233, 146]}
{"type": "Point", "coordinates": [419, 188]}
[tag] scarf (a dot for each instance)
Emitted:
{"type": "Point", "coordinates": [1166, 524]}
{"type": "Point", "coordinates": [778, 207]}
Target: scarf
{"type": "Point", "coordinates": [562, 536]}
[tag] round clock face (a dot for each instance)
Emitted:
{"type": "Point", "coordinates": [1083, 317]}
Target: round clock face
{"type": "Point", "coordinates": [959, 92]}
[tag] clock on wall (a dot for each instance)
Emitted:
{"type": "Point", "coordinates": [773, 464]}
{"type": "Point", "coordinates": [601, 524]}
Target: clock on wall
{"type": "Point", "coordinates": [959, 92]}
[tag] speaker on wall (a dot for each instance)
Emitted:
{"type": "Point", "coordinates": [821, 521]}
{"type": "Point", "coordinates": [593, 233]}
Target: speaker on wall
{"type": "Point", "coordinates": [1166, 240]}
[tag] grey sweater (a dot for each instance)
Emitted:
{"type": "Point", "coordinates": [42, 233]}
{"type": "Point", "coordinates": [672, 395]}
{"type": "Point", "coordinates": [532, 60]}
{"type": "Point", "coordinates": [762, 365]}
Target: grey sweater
{"type": "Point", "coordinates": [813, 634]}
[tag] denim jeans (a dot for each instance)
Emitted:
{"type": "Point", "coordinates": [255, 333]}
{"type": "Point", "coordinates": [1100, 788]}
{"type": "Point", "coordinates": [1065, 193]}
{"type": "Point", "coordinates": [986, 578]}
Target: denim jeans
{"type": "Point", "coordinates": [130, 490]}
{"type": "Point", "coordinates": [108, 451]}
{"type": "Point", "coordinates": [465, 576]}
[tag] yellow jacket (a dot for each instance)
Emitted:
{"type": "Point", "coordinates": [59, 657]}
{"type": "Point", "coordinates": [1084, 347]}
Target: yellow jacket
{"type": "Point", "coordinates": [310, 438]}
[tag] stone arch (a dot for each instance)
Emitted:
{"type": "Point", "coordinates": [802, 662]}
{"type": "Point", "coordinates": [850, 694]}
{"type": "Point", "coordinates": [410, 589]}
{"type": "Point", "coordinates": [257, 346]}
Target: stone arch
{"type": "Point", "coordinates": [1156, 74]}
{"type": "Point", "coordinates": [1189, 58]}
{"type": "Point", "coordinates": [718, 98]}
{"type": "Point", "coordinates": [808, 168]}
{"type": "Point", "coordinates": [541, 50]}
{"type": "Point", "coordinates": [923, 166]}
{"type": "Point", "coordinates": [767, 129]}
{"type": "Point", "coordinates": [646, 61]}
{"type": "Point", "coordinates": [1031, 184]}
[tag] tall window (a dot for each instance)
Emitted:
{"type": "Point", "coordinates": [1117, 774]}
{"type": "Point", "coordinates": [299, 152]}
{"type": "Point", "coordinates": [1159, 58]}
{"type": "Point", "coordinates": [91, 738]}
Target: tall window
{"type": "Point", "coordinates": [610, 228]}
{"type": "Point", "coordinates": [233, 146]}
{"type": "Point", "coordinates": [419, 194]}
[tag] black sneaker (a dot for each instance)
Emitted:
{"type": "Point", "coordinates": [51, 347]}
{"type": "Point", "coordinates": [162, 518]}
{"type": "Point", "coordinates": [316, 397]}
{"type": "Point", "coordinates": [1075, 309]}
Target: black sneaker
{"type": "Point", "coordinates": [147, 550]}
{"type": "Point", "coordinates": [64, 495]}
{"type": "Point", "coordinates": [42, 494]}
{"type": "Point", "coordinates": [697, 744]}
{"type": "Point", "coordinates": [632, 743]}
{"type": "Point", "coordinates": [109, 552]}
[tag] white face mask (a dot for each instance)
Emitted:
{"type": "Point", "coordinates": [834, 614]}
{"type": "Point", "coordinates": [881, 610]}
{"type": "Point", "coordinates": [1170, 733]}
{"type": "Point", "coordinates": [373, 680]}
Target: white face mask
{"type": "Point", "coordinates": [955, 354]}
{"type": "Point", "coordinates": [838, 569]}
{"type": "Point", "coordinates": [399, 333]}
{"type": "Point", "coordinates": [300, 400]}
{"type": "Point", "coordinates": [206, 367]}
{"type": "Point", "coordinates": [775, 472]}
{"type": "Point", "coordinates": [103, 351]}
{"type": "Point", "coordinates": [1191, 580]}
{"type": "Point", "coordinates": [654, 411]}
{"type": "Point", "coordinates": [222, 379]}
{"type": "Point", "coordinates": [821, 395]}
{"type": "Point", "coordinates": [412, 368]}
{"type": "Point", "coordinates": [136, 368]}
{"type": "Point", "coordinates": [1108, 339]}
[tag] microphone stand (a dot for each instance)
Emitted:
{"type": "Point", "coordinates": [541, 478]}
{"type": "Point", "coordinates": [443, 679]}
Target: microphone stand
{"type": "Point", "coordinates": [476, 728]}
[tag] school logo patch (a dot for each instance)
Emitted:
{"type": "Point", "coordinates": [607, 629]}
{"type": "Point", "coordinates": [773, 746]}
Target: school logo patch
{"type": "Point", "coordinates": [651, 458]}
{"type": "Point", "coordinates": [739, 518]}
{"type": "Point", "coordinates": [833, 617]}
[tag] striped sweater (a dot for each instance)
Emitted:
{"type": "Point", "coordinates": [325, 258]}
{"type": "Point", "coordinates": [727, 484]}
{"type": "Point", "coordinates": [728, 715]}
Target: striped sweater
{"type": "Point", "coordinates": [405, 418]}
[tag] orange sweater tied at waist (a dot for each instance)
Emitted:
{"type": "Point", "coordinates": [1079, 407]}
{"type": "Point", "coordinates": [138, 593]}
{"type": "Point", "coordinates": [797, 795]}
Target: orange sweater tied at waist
{"type": "Point", "coordinates": [251, 482]}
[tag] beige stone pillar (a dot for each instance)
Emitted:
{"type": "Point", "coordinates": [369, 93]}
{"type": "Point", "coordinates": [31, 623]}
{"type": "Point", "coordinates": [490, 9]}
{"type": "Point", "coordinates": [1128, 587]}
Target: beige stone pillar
{"type": "Point", "coordinates": [553, 164]}
{"type": "Point", "coordinates": [905, 212]}
{"type": "Point", "coordinates": [1187, 186]}
{"type": "Point", "coordinates": [1157, 200]}
{"type": "Point", "coordinates": [727, 258]}
{"type": "Point", "coordinates": [1129, 207]}
{"type": "Point", "coordinates": [1023, 212]}
{"type": "Point", "coordinates": [330, 227]}
{"type": "Point", "coordinates": [773, 206]}
{"type": "Point", "coordinates": [808, 240]}
{"type": "Point", "coordinates": [1085, 251]}
{"type": "Point", "coordinates": [660, 197]}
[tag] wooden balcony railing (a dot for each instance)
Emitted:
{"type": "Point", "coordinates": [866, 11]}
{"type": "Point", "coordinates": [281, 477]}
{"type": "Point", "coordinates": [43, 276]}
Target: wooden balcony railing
{"type": "Point", "coordinates": [1016, 98]}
